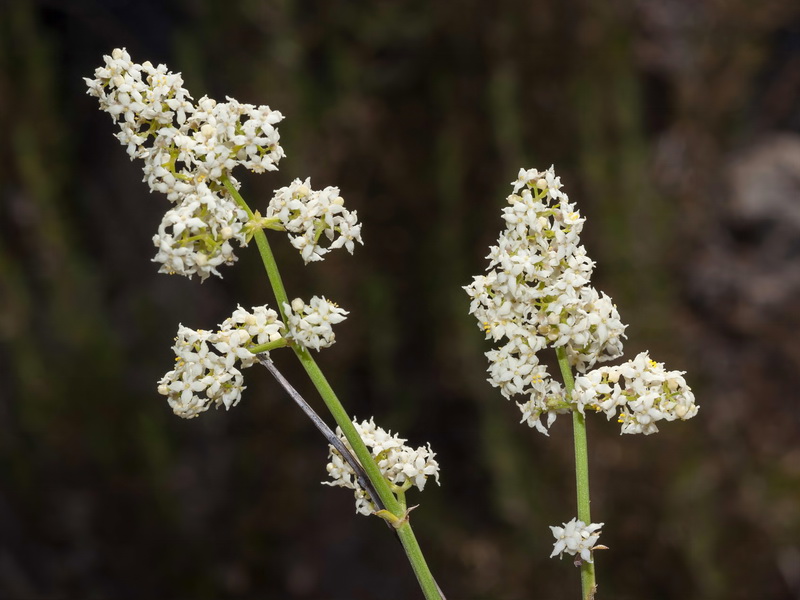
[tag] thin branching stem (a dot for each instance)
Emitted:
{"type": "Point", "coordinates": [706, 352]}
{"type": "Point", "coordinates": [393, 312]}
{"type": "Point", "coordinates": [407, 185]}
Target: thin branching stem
{"type": "Point", "coordinates": [410, 544]}
{"type": "Point", "coordinates": [323, 428]}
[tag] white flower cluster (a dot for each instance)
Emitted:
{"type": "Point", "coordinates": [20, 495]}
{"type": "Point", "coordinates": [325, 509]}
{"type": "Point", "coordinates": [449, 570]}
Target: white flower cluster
{"type": "Point", "coordinates": [205, 371]}
{"type": "Point", "coordinates": [401, 465]}
{"type": "Point", "coordinates": [537, 293]}
{"type": "Point", "coordinates": [649, 394]}
{"type": "Point", "coordinates": [187, 148]}
{"type": "Point", "coordinates": [576, 538]}
{"type": "Point", "coordinates": [309, 215]}
{"type": "Point", "coordinates": [311, 325]}
{"type": "Point", "coordinates": [196, 235]}
{"type": "Point", "coordinates": [206, 138]}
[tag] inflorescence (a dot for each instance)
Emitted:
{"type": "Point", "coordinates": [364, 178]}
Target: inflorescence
{"type": "Point", "coordinates": [189, 150]}
{"type": "Point", "coordinates": [400, 465]}
{"type": "Point", "coordinates": [576, 538]}
{"type": "Point", "coordinates": [205, 372]}
{"type": "Point", "coordinates": [538, 294]}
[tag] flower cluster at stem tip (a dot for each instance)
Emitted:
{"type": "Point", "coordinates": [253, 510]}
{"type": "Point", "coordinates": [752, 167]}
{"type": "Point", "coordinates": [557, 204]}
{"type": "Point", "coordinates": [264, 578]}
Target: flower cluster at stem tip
{"type": "Point", "coordinates": [537, 294]}
{"type": "Point", "coordinates": [400, 465]}
{"type": "Point", "coordinates": [189, 150]}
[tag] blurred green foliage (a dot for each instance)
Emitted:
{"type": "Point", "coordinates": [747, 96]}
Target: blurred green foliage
{"type": "Point", "coordinates": [421, 113]}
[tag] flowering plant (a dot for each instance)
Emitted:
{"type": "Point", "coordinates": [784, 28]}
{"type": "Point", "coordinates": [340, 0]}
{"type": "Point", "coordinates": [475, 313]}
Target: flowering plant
{"type": "Point", "coordinates": [189, 150]}
{"type": "Point", "coordinates": [536, 294]}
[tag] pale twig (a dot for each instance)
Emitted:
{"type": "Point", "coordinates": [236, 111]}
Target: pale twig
{"type": "Point", "coordinates": [332, 438]}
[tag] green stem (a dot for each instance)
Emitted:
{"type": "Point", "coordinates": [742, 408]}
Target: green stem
{"type": "Point", "coordinates": [588, 584]}
{"type": "Point", "coordinates": [404, 532]}
{"type": "Point", "coordinates": [257, 349]}
{"type": "Point", "coordinates": [266, 252]}
{"type": "Point", "coordinates": [418, 563]}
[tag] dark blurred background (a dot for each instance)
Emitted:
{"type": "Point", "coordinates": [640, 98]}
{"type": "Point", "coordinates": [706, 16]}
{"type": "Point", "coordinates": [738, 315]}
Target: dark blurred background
{"type": "Point", "coordinates": [675, 126]}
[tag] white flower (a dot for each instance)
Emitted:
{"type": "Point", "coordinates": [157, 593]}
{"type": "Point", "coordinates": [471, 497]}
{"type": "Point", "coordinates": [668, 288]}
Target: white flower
{"type": "Point", "coordinates": [546, 396]}
{"type": "Point", "coordinates": [262, 324]}
{"type": "Point", "coordinates": [313, 216]}
{"type": "Point", "coordinates": [401, 465]}
{"type": "Point", "coordinates": [543, 180]}
{"type": "Point", "coordinates": [576, 538]}
{"type": "Point", "coordinates": [526, 177]}
{"type": "Point", "coordinates": [311, 325]}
